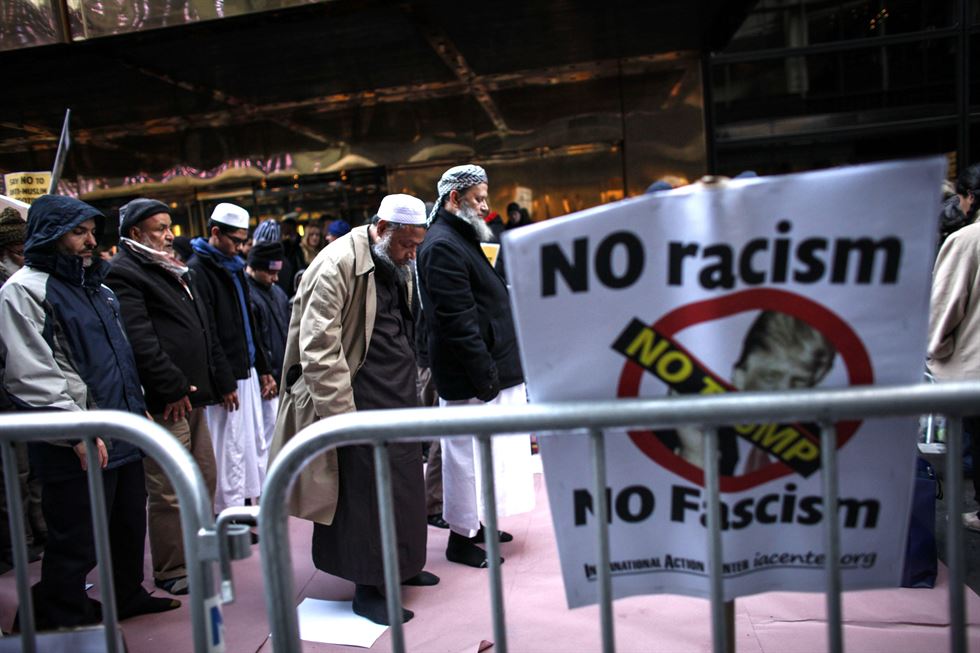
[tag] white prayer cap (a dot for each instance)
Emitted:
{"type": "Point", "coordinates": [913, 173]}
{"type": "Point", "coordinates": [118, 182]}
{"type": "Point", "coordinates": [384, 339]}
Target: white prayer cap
{"type": "Point", "coordinates": [231, 215]}
{"type": "Point", "coordinates": [403, 209]}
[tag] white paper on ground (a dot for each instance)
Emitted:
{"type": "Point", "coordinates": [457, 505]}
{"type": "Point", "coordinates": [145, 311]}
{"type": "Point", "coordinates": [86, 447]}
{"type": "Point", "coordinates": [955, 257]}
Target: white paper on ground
{"type": "Point", "coordinates": [334, 622]}
{"type": "Point", "coordinates": [536, 465]}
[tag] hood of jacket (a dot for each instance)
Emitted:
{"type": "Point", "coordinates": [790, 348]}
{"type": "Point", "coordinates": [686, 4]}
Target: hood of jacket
{"type": "Point", "coordinates": [51, 217]}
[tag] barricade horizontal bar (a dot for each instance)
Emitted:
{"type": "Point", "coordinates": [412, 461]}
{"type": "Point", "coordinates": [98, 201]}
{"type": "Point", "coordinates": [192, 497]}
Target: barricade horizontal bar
{"type": "Point", "coordinates": [957, 399]}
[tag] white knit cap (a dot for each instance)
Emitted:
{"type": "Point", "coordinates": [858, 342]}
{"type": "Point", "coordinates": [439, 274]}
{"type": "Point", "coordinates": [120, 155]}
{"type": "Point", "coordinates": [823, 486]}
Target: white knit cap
{"type": "Point", "coordinates": [231, 215]}
{"type": "Point", "coordinates": [403, 209]}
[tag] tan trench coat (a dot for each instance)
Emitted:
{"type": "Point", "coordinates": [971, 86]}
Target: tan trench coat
{"type": "Point", "coordinates": [954, 320]}
{"type": "Point", "coordinates": [329, 330]}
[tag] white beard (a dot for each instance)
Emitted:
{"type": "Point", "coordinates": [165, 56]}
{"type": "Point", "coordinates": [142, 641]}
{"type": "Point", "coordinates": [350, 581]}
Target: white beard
{"type": "Point", "coordinates": [380, 249]}
{"type": "Point", "coordinates": [473, 218]}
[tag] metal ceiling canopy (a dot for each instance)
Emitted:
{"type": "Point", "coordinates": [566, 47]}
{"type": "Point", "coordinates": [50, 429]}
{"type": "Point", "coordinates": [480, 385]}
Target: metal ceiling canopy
{"type": "Point", "coordinates": [321, 75]}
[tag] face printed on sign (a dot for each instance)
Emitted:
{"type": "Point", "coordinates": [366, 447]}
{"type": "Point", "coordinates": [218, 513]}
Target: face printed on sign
{"type": "Point", "coordinates": [779, 351]}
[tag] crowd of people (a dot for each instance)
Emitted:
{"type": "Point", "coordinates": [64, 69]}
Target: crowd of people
{"type": "Point", "coordinates": [233, 353]}
{"type": "Point", "coordinates": [233, 342]}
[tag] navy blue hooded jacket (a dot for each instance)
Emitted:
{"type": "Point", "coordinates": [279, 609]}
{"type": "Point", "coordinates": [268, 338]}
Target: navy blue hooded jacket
{"type": "Point", "coordinates": [62, 343]}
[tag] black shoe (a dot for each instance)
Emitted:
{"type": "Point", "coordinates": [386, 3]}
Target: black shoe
{"type": "Point", "coordinates": [422, 579]}
{"type": "Point", "coordinates": [502, 536]}
{"type": "Point", "coordinates": [462, 550]}
{"type": "Point", "coordinates": [146, 604]}
{"type": "Point", "coordinates": [437, 521]}
{"type": "Point", "coordinates": [42, 622]}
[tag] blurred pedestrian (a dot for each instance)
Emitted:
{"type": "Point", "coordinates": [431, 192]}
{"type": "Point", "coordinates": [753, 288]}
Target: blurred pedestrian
{"type": "Point", "coordinates": [271, 309]}
{"type": "Point", "coordinates": [13, 232]}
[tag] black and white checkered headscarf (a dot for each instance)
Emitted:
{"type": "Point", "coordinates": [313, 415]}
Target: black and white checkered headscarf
{"type": "Point", "coordinates": [457, 178]}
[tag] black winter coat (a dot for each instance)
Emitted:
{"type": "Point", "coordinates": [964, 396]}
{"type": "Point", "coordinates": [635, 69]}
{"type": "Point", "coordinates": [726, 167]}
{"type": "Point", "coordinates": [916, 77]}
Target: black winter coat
{"type": "Point", "coordinates": [219, 294]}
{"type": "Point", "coordinates": [171, 334]}
{"type": "Point", "coordinates": [271, 309]}
{"type": "Point", "coordinates": [472, 342]}
{"type": "Point", "coordinates": [64, 313]}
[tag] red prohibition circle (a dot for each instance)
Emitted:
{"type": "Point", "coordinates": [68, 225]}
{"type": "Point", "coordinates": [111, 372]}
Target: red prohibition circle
{"type": "Point", "coordinates": [835, 329]}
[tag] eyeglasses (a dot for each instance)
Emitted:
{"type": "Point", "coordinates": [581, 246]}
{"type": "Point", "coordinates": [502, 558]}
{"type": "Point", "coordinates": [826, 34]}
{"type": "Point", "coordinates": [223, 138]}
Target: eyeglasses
{"type": "Point", "coordinates": [235, 239]}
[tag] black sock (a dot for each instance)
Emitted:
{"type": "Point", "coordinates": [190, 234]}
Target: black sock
{"type": "Point", "coordinates": [370, 604]}
{"type": "Point", "coordinates": [462, 549]}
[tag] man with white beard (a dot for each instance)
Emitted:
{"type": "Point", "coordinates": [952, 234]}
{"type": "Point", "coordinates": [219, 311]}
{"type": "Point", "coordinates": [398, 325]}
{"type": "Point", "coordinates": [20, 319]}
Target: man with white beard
{"type": "Point", "coordinates": [473, 356]}
{"type": "Point", "coordinates": [351, 347]}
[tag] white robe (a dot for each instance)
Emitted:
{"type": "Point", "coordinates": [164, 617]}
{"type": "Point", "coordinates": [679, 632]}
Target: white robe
{"type": "Point", "coordinates": [235, 435]}
{"type": "Point", "coordinates": [264, 441]}
{"type": "Point", "coordinates": [463, 505]}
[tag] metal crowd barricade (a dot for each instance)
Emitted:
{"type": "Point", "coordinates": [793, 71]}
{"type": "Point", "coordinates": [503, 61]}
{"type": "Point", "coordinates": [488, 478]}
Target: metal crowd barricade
{"type": "Point", "coordinates": [196, 518]}
{"type": "Point", "coordinates": [826, 407]}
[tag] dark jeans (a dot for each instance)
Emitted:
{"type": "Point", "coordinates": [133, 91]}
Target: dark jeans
{"type": "Point", "coordinates": [60, 599]}
{"type": "Point", "coordinates": [30, 494]}
{"type": "Point", "coordinates": [972, 425]}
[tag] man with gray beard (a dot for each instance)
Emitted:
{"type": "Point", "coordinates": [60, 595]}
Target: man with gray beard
{"type": "Point", "coordinates": [350, 347]}
{"type": "Point", "coordinates": [473, 357]}
{"type": "Point", "coordinates": [176, 350]}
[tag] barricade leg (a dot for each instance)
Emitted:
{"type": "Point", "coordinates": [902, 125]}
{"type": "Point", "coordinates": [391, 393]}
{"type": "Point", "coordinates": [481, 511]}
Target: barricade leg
{"type": "Point", "coordinates": [493, 543]}
{"type": "Point", "coordinates": [103, 553]}
{"type": "Point", "coordinates": [389, 542]}
{"type": "Point", "coordinates": [19, 547]}
{"type": "Point", "coordinates": [720, 635]}
{"type": "Point", "coordinates": [954, 532]}
{"type": "Point", "coordinates": [831, 532]}
{"type": "Point", "coordinates": [597, 438]}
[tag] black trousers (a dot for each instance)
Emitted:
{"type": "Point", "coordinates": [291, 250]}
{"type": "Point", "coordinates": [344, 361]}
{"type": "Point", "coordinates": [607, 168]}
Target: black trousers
{"type": "Point", "coordinates": [60, 599]}
{"type": "Point", "coordinates": [972, 426]}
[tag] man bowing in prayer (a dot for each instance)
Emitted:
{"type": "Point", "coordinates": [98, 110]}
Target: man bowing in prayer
{"type": "Point", "coordinates": [350, 347]}
{"type": "Point", "coordinates": [473, 356]}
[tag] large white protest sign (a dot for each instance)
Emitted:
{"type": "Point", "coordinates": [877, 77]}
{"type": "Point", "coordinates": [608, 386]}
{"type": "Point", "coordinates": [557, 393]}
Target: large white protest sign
{"type": "Point", "coordinates": [809, 280]}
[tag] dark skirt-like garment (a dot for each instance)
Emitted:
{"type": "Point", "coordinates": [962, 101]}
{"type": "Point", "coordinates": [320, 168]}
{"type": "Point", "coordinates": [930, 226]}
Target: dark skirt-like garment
{"type": "Point", "coordinates": [351, 547]}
